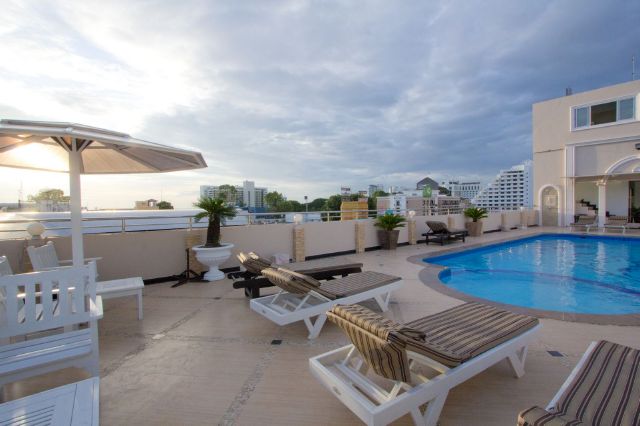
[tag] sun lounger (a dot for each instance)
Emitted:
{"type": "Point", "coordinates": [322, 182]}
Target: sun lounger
{"type": "Point", "coordinates": [585, 222]}
{"type": "Point", "coordinates": [439, 232]}
{"type": "Point", "coordinates": [303, 298]}
{"type": "Point", "coordinates": [617, 222]}
{"type": "Point", "coordinates": [419, 362]}
{"type": "Point", "coordinates": [603, 389]}
{"type": "Point", "coordinates": [321, 269]}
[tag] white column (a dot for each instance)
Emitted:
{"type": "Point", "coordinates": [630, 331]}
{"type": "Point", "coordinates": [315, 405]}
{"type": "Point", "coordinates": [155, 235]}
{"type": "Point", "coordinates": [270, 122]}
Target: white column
{"type": "Point", "coordinates": [602, 204]}
{"type": "Point", "coordinates": [77, 248]}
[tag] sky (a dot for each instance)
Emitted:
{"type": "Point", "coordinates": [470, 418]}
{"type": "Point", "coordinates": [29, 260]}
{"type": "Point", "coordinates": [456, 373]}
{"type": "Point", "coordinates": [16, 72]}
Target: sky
{"type": "Point", "coordinates": [304, 97]}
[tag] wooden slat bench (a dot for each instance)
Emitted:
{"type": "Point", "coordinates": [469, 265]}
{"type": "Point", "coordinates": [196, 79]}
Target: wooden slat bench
{"type": "Point", "coordinates": [73, 404]}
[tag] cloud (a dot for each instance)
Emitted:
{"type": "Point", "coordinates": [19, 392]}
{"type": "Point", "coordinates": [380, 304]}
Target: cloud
{"type": "Point", "coordinates": [303, 96]}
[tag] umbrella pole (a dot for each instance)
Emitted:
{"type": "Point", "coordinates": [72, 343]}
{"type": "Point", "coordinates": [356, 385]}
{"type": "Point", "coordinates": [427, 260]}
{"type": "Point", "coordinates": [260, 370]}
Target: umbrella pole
{"type": "Point", "coordinates": [76, 212]}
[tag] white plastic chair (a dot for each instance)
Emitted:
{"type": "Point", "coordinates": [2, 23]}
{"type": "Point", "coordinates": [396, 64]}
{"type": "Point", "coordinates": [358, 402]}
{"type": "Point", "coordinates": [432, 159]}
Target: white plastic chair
{"type": "Point", "coordinates": [45, 258]}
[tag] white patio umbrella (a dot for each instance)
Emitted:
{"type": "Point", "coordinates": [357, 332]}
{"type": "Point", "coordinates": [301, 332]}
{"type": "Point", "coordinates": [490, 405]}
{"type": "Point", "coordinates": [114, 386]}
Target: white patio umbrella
{"type": "Point", "coordinates": [79, 149]}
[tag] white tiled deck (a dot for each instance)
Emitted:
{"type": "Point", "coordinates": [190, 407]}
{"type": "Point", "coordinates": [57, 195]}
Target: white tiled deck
{"type": "Point", "coordinates": [201, 356]}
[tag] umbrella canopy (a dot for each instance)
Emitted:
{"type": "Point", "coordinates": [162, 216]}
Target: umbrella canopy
{"type": "Point", "coordinates": [79, 149]}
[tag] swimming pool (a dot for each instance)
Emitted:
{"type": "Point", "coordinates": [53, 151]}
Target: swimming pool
{"type": "Point", "coordinates": [556, 272]}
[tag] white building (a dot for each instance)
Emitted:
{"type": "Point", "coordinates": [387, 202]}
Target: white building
{"type": "Point", "coordinates": [423, 206]}
{"type": "Point", "coordinates": [511, 189]}
{"type": "Point", "coordinates": [468, 190]}
{"type": "Point", "coordinates": [586, 153]}
{"type": "Point", "coordinates": [247, 195]}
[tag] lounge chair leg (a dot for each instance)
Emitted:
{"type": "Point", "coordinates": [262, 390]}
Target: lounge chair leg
{"type": "Point", "coordinates": [314, 329]}
{"type": "Point", "coordinates": [432, 412]}
{"type": "Point", "coordinates": [516, 361]}
{"type": "Point", "coordinates": [383, 301]}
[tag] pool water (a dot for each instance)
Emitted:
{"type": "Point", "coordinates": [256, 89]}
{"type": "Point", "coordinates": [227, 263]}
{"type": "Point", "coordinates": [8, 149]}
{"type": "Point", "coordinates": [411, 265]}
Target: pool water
{"type": "Point", "coordinates": [556, 272]}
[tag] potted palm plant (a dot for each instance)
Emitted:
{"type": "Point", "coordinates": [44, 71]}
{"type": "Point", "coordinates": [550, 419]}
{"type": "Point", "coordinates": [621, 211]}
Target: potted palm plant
{"type": "Point", "coordinates": [388, 232]}
{"type": "Point", "coordinates": [476, 214]}
{"type": "Point", "coordinates": [213, 253]}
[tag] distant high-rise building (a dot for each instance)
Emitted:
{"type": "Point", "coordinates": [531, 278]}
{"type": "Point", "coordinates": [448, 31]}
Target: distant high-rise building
{"type": "Point", "coordinates": [510, 189]}
{"type": "Point", "coordinates": [247, 195]}
{"type": "Point", "coordinates": [466, 190]}
{"type": "Point", "coordinates": [374, 188]}
{"type": "Point", "coordinates": [428, 182]}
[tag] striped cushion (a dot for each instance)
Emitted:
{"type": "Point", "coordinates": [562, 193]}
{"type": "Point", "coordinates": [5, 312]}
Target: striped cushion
{"type": "Point", "coordinates": [368, 331]}
{"type": "Point", "coordinates": [317, 266]}
{"type": "Point", "coordinates": [291, 281]}
{"type": "Point", "coordinates": [355, 283]}
{"type": "Point", "coordinates": [606, 390]}
{"type": "Point", "coordinates": [465, 331]}
{"type": "Point", "coordinates": [253, 263]}
{"type": "Point", "coordinates": [536, 416]}
{"type": "Point", "coordinates": [437, 227]}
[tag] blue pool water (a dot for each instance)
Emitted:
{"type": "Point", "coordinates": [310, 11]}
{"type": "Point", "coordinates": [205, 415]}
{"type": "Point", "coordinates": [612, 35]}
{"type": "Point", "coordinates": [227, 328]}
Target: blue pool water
{"type": "Point", "coordinates": [568, 273]}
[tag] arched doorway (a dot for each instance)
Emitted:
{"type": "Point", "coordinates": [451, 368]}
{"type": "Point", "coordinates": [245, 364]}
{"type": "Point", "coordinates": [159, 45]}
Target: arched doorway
{"type": "Point", "coordinates": [549, 200]}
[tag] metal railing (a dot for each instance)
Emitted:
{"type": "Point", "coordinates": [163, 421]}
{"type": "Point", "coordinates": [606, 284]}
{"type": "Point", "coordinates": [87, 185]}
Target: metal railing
{"type": "Point", "coordinates": [112, 223]}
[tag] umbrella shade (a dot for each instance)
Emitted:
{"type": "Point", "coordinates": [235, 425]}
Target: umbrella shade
{"type": "Point", "coordinates": [79, 149]}
{"type": "Point", "coordinates": [45, 146]}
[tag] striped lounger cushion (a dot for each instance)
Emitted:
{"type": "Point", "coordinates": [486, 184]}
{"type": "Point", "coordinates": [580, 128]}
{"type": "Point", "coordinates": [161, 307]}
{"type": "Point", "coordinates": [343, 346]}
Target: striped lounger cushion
{"type": "Point", "coordinates": [606, 391]}
{"type": "Point", "coordinates": [297, 283]}
{"type": "Point", "coordinates": [323, 265]}
{"type": "Point", "coordinates": [355, 283]}
{"type": "Point", "coordinates": [377, 339]}
{"type": "Point", "coordinates": [465, 331]}
{"type": "Point", "coordinates": [450, 337]}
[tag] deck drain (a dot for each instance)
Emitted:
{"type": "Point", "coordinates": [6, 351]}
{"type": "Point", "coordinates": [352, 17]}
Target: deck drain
{"type": "Point", "coordinates": [217, 298]}
{"type": "Point", "coordinates": [276, 342]}
{"type": "Point", "coordinates": [555, 353]}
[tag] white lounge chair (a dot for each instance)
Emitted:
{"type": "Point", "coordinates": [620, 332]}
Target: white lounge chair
{"type": "Point", "coordinates": [303, 298]}
{"type": "Point", "coordinates": [617, 222]}
{"type": "Point", "coordinates": [5, 268]}
{"type": "Point", "coordinates": [45, 258]}
{"type": "Point", "coordinates": [75, 404]}
{"type": "Point", "coordinates": [585, 222]}
{"type": "Point", "coordinates": [417, 363]}
{"type": "Point", "coordinates": [54, 303]}
{"type": "Point", "coordinates": [602, 389]}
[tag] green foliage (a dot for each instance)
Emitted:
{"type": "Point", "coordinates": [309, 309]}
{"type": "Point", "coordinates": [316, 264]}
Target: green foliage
{"type": "Point", "coordinates": [217, 210]}
{"type": "Point", "coordinates": [334, 202]}
{"type": "Point", "coordinates": [273, 200]}
{"type": "Point", "coordinates": [228, 193]}
{"type": "Point", "coordinates": [164, 205]}
{"type": "Point", "coordinates": [354, 197]}
{"type": "Point", "coordinates": [476, 213]}
{"type": "Point", "coordinates": [389, 221]}
{"type": "Point", "coordinates": [317, 204]}
{"type": "Point", "coordinates": [379, 193]}
{"type": "Point", "coordinates": [373, 200]}
{"type": "Point", "coordinates": [56, 195]}
{"type": "Point", "coordinates": [443, 190]}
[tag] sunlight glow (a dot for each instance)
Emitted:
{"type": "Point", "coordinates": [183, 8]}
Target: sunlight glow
{"type": "Point", "coordinates": [38, 156]}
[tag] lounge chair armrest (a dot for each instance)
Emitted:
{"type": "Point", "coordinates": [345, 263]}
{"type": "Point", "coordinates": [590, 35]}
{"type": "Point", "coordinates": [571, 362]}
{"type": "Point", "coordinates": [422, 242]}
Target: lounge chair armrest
{"type": "Point", "coordinates": [96, 308]}
{"type": "Point", "coordinates": [86, 260]}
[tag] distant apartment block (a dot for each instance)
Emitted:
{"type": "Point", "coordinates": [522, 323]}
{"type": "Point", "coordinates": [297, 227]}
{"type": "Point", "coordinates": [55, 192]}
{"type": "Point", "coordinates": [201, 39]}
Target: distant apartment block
{"type": "Point", "coordinates": [149, 204]}
{"type": "Point", "coordinates": [423, 206]}
{"type": "Point", "coordinates": [586, 154]}
{"type": "Point", "coordinates": [468, 190]}
{"type": "Point", "coordinates": [511, 189]}
{"type": "Point", "coordinates": [247, 195]}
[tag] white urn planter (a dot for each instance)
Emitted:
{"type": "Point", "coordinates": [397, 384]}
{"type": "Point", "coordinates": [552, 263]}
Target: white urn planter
{"type": "Point", "coordinates": [213, 257]}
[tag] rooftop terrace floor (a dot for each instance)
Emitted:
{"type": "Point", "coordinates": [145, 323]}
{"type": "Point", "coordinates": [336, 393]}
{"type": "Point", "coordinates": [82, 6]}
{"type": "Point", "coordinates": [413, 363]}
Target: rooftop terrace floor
{"type": "Point", "coordinates": [201, 356]}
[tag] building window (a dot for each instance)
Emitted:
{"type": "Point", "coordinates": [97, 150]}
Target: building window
{"type": "Point", "coordinates": [604, 113]}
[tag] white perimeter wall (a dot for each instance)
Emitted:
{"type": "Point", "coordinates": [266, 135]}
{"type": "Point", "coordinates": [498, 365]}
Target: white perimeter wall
{"type": "Point", "coordinates": [153, 254]}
